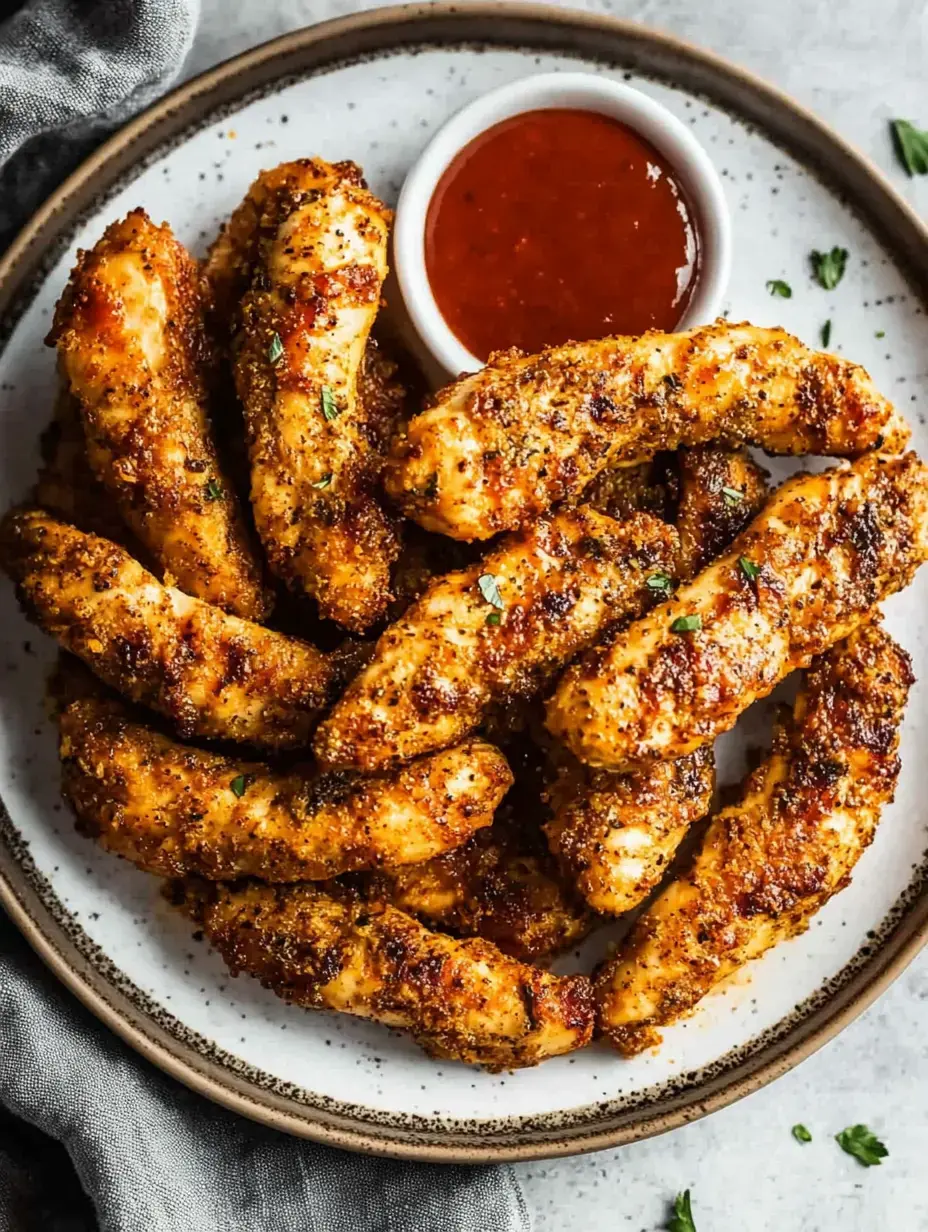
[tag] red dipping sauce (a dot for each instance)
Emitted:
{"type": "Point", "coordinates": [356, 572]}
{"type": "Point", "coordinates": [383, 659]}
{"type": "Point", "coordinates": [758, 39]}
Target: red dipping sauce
{"type": "Point", "coordinates": [559, 225]}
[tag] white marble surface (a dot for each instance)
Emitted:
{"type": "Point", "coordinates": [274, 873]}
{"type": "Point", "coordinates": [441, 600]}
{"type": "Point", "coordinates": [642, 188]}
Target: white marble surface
{"type": "Point", "coordinates": [857, 65]}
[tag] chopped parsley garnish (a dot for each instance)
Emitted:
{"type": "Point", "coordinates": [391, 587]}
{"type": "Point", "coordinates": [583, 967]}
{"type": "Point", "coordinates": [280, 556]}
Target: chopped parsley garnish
{"type": "Point", "coordinates": [749, 569]}
{"type": "Point", "coordinates": [686, 624]}
{"type": "Point", "coordinates": [276, 349]}
{"type": "Point", "coordinates": [682, 1218]}
{"type": "Point", "coordinates": [826, 333]}
{"type": "Point", "coordinates": [493, 619]}
{"type": "Point", "coordinates": [732, 496]}
{"type": "Point", "coordinates": [801, 1134]}
{"type": "Point", "coordinates": [911, 146]}
{"type": "Point", "coordinates": [776, 286]}
{"type": "Point", "coordinates": [489, 588]}
{"type": "Point", "coordinates": [863, 1144]}
{"type": "Point", "coordinates": [323, 482]}
{"type": "Point", "coordinates": [659, 583]}
{"type": "Point", "coordinates": [829, 267]}
{"type": "Point", "coordinates": [213, 490]}
{"type": "Point", "coordinates": [239, 785]}
{"type": "Point", "coordinates": [880, 333]}
{"type": "Point", "coordinates": [329, 405]}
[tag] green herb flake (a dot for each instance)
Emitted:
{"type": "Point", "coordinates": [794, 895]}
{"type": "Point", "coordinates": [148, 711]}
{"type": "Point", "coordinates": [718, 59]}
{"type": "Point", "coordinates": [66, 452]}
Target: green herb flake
{"type": "Point", "coordinates": [829, 267]}
{"type": "Point", "coordinates": [489, 588]}
{"type": "Point", "coordinates": [686, 624]}
{"type": "Point", "coordinates": [239, 785]}
{"type": "Point", "coordinates": [275, 350]}
{"type": "Point", "coordinates": [682, 1218]}
{"type": "Point", "coordinates": [880, 333]}
{"type": "Point", "coordinates": [800, 1133]}
{"type": "Point", "coordinates": [863, 1144]}
{"type": "Point", "coordinates": [213, 490]}
{"type": "Point", "coordinates": [493, 619]}
{"type": "Point", "coordinates": [911, 146]}
{"type": "Point", "coordinates": [776, 286]}
{"type": "Point", "coordinates": [749, 569]}
{"type": "Point", "coordinates": [330, 409]}
{"type": "Point", "coordinates": [659, 584]}
{"type": "Point", "coordinates": [323, 482]}
{"type": "Point", "coordinates": [732, 496]}
{"type": "Point", "coordinates": [826, 333]}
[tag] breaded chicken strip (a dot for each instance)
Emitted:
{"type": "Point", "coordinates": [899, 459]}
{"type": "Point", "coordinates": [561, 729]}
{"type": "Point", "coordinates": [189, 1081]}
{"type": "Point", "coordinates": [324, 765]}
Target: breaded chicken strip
{"type": "Point", "coordinates": [211, 674]}
{"type": "Point", "coordinates": [499, 447]}
{"type": "Point", "coordinates": [500, 885]}
{"type": "Point", "coordinates": [174, 810]}
{"type": "Point", "coordinates": [130, 335]}
{"type": "Point", "coordinates": [460, 1000]}
{"type": "Point", "coordinates": [317, 259]}
{"type": "Point", "coordinates": [502, 628]}
{"type": "Point", "coordinates": [807, 571]}
{"type": "Point", "coordinates": [616, 834]}
{"type": "Point", "coordinates": [721, 490]}
{"type": "Point", "coordinates": [770, 862]}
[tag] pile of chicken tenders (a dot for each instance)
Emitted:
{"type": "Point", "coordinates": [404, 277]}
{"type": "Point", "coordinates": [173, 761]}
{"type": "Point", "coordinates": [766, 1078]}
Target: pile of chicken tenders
{"type": "Point", "coordinates": [403, 702]}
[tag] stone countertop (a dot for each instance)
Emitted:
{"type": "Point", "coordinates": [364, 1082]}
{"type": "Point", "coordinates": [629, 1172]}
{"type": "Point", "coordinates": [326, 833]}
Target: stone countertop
{"type": "Point", "coordinates": [857, 65]}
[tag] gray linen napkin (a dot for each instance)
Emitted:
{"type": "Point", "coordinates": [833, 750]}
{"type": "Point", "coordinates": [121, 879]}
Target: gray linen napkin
{"type": "Point", "coordinates": [150, 1155]}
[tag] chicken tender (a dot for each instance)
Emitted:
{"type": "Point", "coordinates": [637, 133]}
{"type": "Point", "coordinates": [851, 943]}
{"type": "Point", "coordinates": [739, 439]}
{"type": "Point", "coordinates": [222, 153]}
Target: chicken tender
{"type": "Point", "coordinates": [721, 490]}
{"type": "Point", "coordinates": [460, 1000]}
{"type": "Point", "coordinates": [807, 571]}
{"type": "Point", "coordinates": [502, 628]}
{"type": "Point", "coordinates": [317, 257]}
{"type": "Point", "coordinates": [131, 340]}
{"type": "Point", "coordinates": [211, 674]}
{"type": "Point", "coordinates": [497, 448]}
{"type": "Point", "coordinates": [770, 862]}
{"type": "Point", "coordinates": [174, 810]}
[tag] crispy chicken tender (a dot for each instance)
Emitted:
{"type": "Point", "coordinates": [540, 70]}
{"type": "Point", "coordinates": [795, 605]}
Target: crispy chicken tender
{"type": "Point", "coordinates": [210, 673]}
{"type": "Point", "coordinates": [325, 949]}
{"type": "Point", "coordinates": [770, 862]}
{"type": "Point", "coordinates": [438, 669]}
{"type": "Point", "coordinates": [721, 490]}
{"type": "Point", "coordinates": [806, 572]}
{"type": "Point", "coordinates": [131, 340]}
{"type": "Point", "coordinates": [174, 810]}
{"type": "Point", "coordinates": [499, 885]}
{"type": "Point", "coordinates": [315, 243]}
{"type": "Point", "coordinates": [616, 834]}
{"type": "Point", "coordinates": [499, 447]}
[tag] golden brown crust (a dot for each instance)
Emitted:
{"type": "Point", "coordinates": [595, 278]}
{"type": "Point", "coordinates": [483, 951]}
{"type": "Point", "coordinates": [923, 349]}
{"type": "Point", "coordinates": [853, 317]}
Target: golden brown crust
{"type": "Point", "coordinates": [452, 654]}
{"type": "Point", "coordinates": [770, 862]}
{"type": "Point", "coordinates": [826, 549]}
{"type": "Point", "coordinates": [210, 673]}
{"type": "Point", "coordinates": [499, 447]}
{"type": "Point", "coordinates": [131, 339]}
{"type": "Point", "coordinates": [174, 810]}
{"type": "Point", "coordinates": [721, 491]}
{"type": "Point", "coordinates": [461, 1000]}
{"type": "Point", "coordinates": [313, 241]}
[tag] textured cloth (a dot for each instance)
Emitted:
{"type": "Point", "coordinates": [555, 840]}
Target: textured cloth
{"type": "Point", "coordinates": [138, 1152]}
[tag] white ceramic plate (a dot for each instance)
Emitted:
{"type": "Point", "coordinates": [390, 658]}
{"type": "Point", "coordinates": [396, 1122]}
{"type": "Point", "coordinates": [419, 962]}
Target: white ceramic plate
{"type": "Point", "coordinates": [357, 91]}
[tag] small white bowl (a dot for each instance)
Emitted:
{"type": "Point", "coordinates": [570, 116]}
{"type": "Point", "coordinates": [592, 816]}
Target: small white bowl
{"type": "Point", "coordinates": [582, 91]}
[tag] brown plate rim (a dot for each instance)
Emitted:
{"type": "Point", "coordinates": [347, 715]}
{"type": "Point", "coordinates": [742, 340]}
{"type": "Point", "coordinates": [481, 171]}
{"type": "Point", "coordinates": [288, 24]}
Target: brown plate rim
{"type": "Point", "coordinates": [509, 23]}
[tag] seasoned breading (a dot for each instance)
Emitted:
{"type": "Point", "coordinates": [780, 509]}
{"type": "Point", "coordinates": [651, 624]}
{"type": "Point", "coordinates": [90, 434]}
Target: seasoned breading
{"type": "Point", "coordinates": [500, 629]}
{"type": "Point", "coordinates": [173, 810]}
{"type": "Point", "coordinates": [770, 862]}
{"type": "Point", "coordinates": [616, 834]}
{"type": "Point", "coordinates": [499, 447]}
{"type": "Point", "coordinates": [645, 487]}
{"type": "Point", "coordinates": [210, 673]}
{"type": "Point", "coordinates": [806, 572]}
{"type": "Point", "coordinates": [721, 490]}
{"type": "Point", "coordinates": [500, 885]}
{"type": "Point", "coordinates": [460, 1000]}
{"type": "Point", "coordinates": [317, 258]}
{"type": "Point", "coordinates": [130, 334]}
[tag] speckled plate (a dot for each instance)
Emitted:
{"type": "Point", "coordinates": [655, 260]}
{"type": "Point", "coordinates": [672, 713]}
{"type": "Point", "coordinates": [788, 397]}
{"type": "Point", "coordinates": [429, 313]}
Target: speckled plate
{"type": "Point", "coordinates": [373, 88]}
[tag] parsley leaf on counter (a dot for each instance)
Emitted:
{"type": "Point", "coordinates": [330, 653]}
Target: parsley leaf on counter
{"type": "Point", "coordinates": [489, 588]}
{"type": "Point", "coordinates": [682, 1218]}
{"type": "Point", "coordinates": [801, 1134]}
{"type": "Point", "coordinates": [911, 146]}
{"type": "Point", "coordinates": [829, 267]}
{"type": "Point", "coordinates": [863, 1144]}
{"type": "Point", "coordinates": [826, 333]}
{"type": "Point", "coordinates": [776, 286]}
{"type": "Point", "coordinates": [687, 624]}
